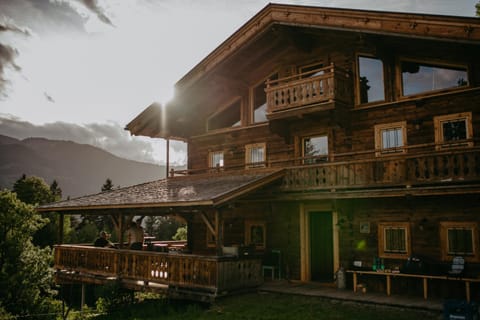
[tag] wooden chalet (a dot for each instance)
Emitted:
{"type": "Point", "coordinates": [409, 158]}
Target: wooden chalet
{"type": "Point", "coordinates": [330, 138]}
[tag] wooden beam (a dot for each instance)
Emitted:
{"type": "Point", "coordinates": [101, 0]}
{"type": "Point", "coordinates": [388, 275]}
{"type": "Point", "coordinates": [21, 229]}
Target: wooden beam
{"type": "Point", "coordinates": [208, 224]}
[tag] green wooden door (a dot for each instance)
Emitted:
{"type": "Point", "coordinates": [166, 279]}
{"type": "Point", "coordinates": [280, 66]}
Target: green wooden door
{"type": "Point", "coordinates": [321, 246]}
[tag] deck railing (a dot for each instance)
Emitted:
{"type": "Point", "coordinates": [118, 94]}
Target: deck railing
{"type": "Point", "coordinates": [313, 87]}
{"type": "Point", "coordinates": [461, 166]}
{"type": "Point", "coordinates": [211, 273]}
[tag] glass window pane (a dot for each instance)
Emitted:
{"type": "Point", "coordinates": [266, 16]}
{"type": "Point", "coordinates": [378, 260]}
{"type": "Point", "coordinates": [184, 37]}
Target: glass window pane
{"type": "Point", "coordinates": [392, 138]}
{"type": "Point", "coordinates": [395, 240]}
{"type": "Point", "coordinates": [421, 77]}
{"type": "Point", "coordinates": [217, 159]}
{"type": "Point", "coordinates": [315, 147]}
{"type": "Point", "coordinates": [454, 130]}
{"type": "Point", "coordinates": [260, 101]}
{"type": "Point", "coordinates": [371, 83]}
{"type": "Point", "coordinates": [460, 241]}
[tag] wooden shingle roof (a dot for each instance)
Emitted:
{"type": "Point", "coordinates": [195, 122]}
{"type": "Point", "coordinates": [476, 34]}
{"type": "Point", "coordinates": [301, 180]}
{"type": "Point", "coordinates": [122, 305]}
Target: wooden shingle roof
{"type": "Point", "coordinates": [201, 190]}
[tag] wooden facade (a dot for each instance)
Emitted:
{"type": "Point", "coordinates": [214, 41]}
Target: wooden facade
{"type": "Point", "coordinates": [373, 119]}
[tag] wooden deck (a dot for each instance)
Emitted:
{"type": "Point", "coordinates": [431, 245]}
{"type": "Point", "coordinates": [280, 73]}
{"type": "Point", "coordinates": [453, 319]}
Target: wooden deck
{"type": "Point", "coordinates": [331, 292]}
{"type": "Point", "coordinates": [180, 275]}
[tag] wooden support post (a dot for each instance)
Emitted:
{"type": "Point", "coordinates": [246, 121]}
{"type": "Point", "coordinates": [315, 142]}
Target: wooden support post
{"type": "Point", "coordinates": [120, 229]}
{"type": "Point", "coordinates": [82, 299]}
{"type": "Point", "coordinates": [389, 284]}
{"type": "Point", "coordinates": [218, 233]}
{"type": "Point", "coordinates": [167, 165]}
{"type": "Point", "coordinates": [60, 228]}
{"type": "Point", "coordinates": [467, 290]}
{"type": "Point", "coordinates": [354, 282]}
{"type": "Point", "coordinates": [425, 288]}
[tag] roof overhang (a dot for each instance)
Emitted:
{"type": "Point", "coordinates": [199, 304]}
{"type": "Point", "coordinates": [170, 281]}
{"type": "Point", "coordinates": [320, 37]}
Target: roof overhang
{"type": "Point", "coordinates": [170, 122]}
{"type": "Point", "coordinates": [186, 193]}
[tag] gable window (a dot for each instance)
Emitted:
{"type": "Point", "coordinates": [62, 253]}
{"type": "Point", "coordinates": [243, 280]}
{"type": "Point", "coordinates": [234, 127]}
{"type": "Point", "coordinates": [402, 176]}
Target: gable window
{"type": "Point", "coordinates": [453, 130]}
{"type": "Point", "coordinates": [255, 155]}
{"type": "Point", "coordinates": [419, 77]}
{"type": "Point", "coordinates": [228, 117]}
{"type": "Point", "coordinates": [394, 240]}
{"type": "Point", "coordinates": [390, 138]}
{"type": "Point", "coordinates": [255, 233]}
{"type": "Point", "coordinates": [459, 239]}
{"type": "Point", "coordinates": [315, 149]}
{"type": "Point", "coordinates": [312, 70]}
{"type": "Point", "coordinates": [260, 100]}
{"type": "Point", "coordinates": [371, 87]}
{"type": "Point", "coordinates": [215, 159]}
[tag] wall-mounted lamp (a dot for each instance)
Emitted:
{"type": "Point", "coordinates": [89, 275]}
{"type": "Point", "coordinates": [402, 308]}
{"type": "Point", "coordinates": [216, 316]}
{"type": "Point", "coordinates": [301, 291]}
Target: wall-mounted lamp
{"type": "Point", "coordinates": [417, 123]}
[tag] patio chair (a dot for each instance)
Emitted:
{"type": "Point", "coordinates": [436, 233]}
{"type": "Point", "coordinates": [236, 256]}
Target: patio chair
{"type": "Point", "coordinates": [272, 262]}
{"type": "Point", "coordinates": [458, 267]}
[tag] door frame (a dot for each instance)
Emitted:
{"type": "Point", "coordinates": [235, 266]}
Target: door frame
{"type": "Point", "coordinates": [305, 209]}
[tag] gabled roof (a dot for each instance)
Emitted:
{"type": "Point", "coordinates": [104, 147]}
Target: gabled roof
{"type": "Point", "coordinates": [170, 122]}
{"type": "Point", "coordinates": [428, 26]}
{"type": "Point", "coordinates": [200, 190]}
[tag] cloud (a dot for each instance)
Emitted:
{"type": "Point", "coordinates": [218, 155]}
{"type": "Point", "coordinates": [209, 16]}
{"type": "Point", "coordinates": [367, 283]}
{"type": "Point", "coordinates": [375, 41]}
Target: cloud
{"type": "Point", "coordinates": [108, 136]}
{"type": "Point", "coordinates": [7, 59]}
{"type": "Point", "coordinates": [94, 7]}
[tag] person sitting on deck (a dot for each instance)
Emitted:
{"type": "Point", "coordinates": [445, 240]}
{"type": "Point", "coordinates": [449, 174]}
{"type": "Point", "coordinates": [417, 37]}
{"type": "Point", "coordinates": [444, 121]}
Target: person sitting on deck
{"type": "Point", "coordinates": [135, 236]}
{"type": "Point", "coordinates": [103, 242]}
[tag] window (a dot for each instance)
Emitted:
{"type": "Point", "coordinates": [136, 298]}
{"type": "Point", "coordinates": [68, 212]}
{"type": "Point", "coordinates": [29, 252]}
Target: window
{"type": "Point", "coordinates": [215, 159]}
{"type": "Point", "coordinates": [255, 233]}
{"type": "Point", "coordinates": [459, 239]}
{"type": "Point", "coordinates": [453, 130]}
{"type": "Point", "coordinates": [315, 149]}
{"type": "Point", "coordinates": [255, 155]}
{"type": "Point", "coordinates": [390, 138]}
{"type": "Point", "coordinates": [260, 100]}
{"type": "Point", "coordinates": [394, 240]}
{"type": "Point", "coordinates": [227, 117]}
{"type": "Point", "coordinates": [311, 70]}
{"type": "Point", "coordinates": [370, 80]}
{"type": "Point", "coordinates": [419, 77]}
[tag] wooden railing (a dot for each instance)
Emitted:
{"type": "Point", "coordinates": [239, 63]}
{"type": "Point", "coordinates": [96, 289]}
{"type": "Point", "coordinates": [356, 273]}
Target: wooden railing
{"type": "Point", "coordinates": [437, 168]}
{"type": "Point", "coordinates": [313, 87]}
{"type": "Point", "coordinates": [211, 273]}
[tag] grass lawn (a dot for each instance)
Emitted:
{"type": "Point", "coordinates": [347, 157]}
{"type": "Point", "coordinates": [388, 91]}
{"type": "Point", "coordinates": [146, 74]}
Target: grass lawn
{"type": "Point", "coordinates": [260, 306]}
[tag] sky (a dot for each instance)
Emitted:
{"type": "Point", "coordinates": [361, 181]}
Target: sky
{"type": "Point", "coordinates": [80, 70]}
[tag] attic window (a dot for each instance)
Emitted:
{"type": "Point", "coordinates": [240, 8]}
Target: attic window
{"type": "Point", "coordinates": [418, 77]}
{"type": "Point", "coordinates": [228, 117]}
{"type": "Point", "coordinates": [453, 130]}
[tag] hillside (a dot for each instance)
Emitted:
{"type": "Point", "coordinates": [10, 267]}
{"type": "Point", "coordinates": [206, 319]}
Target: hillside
{"type": "Point", "coordinates": [79, 169]}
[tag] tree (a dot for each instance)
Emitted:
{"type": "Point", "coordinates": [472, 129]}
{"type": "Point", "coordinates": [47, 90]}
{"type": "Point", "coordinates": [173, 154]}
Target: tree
{"type": "Point", "coordinates": [35, 191]}
{"type": "Point", "coordinates": [477, 6]}
{"type": "Point", "coordinates": [26, 277]}
{"type": "Point", "coordinates": [108, 185]}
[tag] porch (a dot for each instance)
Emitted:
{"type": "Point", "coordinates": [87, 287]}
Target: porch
{"type": "Point", "coordinates": [188, 276]}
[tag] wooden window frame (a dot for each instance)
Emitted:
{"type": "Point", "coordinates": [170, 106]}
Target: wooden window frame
{"type": "Point", "coordinates": [248, 233]}
{"type": "Point", "coordinates": [435, 62]}
{"type": "Point", "coordinates": [358, 101]}
{"type": "Point", "coordinates": [382, 226]}
{"type": "Point", "coordinates": [302, 147]}
{"type": "Point", "coordinates": [379, 151]}
{"type": "Point", "coordinates": [445, 226]}
{"type": "Point", "coordinates": [440, 143]}
{"type": "Point", "coordinates": [248, 160]}
{"type": "Point", "coordinates": [210, 159]}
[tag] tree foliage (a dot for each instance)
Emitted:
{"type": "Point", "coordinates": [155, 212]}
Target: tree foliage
{"type": "Point", "coordinates": [108, 185]}
{"type": "Point", "coordinates": [477, 6]}
{"type": "Point", "coordinates": [35, 191]}
{"type": "Point", "coordinates": [26, 277]}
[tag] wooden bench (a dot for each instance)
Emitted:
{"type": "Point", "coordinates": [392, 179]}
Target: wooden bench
{"type": "Point", "coordinates": [389, 275]}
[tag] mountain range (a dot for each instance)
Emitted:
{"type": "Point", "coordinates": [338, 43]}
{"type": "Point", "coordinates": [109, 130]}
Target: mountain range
{"type": "Point", "coordinates": [79, 169]}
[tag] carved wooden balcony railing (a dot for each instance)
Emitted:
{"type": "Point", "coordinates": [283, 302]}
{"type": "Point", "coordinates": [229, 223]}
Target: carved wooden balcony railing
{"type": "Point", "coordinates": [213, 274]}
{"type": "Point", "coordinates": [314, 87]}
{"type": "Point", "coordinates": [437, 168]}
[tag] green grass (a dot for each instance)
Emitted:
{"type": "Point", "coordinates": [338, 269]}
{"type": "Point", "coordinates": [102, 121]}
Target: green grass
{"type": "Point", "coordinates": [263, 306]}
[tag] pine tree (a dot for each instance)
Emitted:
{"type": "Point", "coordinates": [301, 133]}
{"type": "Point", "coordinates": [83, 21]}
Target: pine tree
{"type": "Point", "coordinates": [108, 185]}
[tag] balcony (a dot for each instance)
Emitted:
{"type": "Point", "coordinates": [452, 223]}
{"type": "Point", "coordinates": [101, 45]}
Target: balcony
{"type": "Point", "coordinates": [314, 91]}
{"type": "Point", "coordinates": [431, 172]}
{"type": "Point", "coordinates": [184, 275]}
